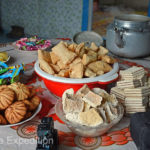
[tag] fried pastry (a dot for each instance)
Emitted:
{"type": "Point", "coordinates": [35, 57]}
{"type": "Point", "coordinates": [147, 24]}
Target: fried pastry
{"type": "Point", "coordinates": [64, 73]}
{"type": "Point", "coordinates": [55, 68]}
{"type": "Point", "coordinates": [76, 71]}
{"type": "Point", "coordinates": [2, 120]}
{"type": "Point", "coordinates": [44, 55]}
{"type": "Point", "coordinates": [108, 59]}
{"type": "Point", "coordinates": [72, 47]}
{"type": "Point", "coordinates": [99, 65]}
{"type": "Point", "coordinates": [30, 106]}
{"type": "Point", "coordinates": [3, 87]}
{"type": "Point", "coordinates": [63, 53]}
{"type": "Point", "coordinates": [32, 92]}
{"type": "Point", "coordinates": [89, 73]}
{"type": "Point", "coordinates": [93, 46]}
{"type": "Point", "coordinates": [78, 58]}
{"type": "Point", "coordinates": [54, 58]}
{"type": "Point", "coordinates": [6, 97]}
{"type": "Point", "coordinates": [35, 101]}
{"type": "Point", "coordinates": [22, 91]}
{"type": "Point", "coordinates": [102, 51]}
{"type": "Point", "coordinates": [16, 112]}
{"type": "Point", "coordinates": [28, 115]}
{"type": "Point", "coordinates": [100, 72]}
{"type": "Point", "coordinates": [61, 65]}
{"type": "Point", "coordinates": [44, 65]}
{"type": "Point", "coordinates": [79, 47]}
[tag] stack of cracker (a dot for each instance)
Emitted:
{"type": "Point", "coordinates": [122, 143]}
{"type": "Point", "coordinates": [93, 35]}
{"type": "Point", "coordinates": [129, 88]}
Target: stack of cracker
{"type": "Point", "coordinates": [133, 90]}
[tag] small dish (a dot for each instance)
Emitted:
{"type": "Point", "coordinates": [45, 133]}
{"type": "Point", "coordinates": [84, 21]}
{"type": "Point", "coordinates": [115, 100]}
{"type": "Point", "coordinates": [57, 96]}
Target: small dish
{"type": "Point", "coordinates": [88, 37]}
{"type": "Point", "coordinates": [7, 59]}
{"type": "Point", "coordinates": [85, 131]}
{"type": "Point", "coordinates": [19, 123]}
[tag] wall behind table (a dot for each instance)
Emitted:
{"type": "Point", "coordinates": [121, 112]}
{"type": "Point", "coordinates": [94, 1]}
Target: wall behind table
{"type": "Point", "coordinates": [45, 18]}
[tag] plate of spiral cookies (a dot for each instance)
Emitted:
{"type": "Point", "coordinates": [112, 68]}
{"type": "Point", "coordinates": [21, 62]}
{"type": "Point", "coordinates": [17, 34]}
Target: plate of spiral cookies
{"type": "Point", "coordinates": [18, 104]}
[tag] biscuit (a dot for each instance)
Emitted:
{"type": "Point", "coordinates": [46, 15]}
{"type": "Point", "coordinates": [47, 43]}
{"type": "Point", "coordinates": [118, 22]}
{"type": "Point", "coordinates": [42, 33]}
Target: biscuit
{"type": "Point", "coordinates": [94, 47]}
{"type": "Point", "coordinates": [2, 120]}
{"type": "Point", "coordinates": [102, 51]}
{"type": "Point", "coordinates": [22, 92]}
{"type": "Point", "coordinates": [89, 73]}
{"type": "Point", "coordinates": [63, 53]}
{"type": "Point", "coordinates": [79, 47]}
{"type": "Point", "coordinates": [99, 65]}
{"type": "Point", "coordinates": [76, 70]}
{"type": "Point", "coordinates": [54, 58]}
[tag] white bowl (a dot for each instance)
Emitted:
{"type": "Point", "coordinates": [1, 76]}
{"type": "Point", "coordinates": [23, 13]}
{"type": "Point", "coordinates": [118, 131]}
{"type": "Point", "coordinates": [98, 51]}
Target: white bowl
{"type": "Point", "coordinates": [19, 123]}
{"type": "Point", "coordinates": [86, 131]}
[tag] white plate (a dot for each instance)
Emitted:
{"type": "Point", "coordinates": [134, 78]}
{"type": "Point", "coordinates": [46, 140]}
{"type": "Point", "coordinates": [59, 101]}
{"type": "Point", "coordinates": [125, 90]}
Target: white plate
{"type": "Point", "coordinates": [19, 123]}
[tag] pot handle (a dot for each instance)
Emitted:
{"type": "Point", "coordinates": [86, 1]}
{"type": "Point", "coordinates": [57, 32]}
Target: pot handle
{"type": "Point", "coordinates": [109, 80]}
{"type": "Point", "coordinates": [119, 38]}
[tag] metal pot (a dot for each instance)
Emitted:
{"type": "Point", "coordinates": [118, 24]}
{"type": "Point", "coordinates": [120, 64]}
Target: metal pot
{"type": "Point", "coordinates": [129, 36]}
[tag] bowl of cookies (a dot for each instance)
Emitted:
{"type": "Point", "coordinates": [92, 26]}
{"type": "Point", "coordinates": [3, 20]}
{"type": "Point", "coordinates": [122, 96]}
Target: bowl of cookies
{"type": "Point", "coordinates": [89, 112]}
{"type": "Point", "coordinates": [18, 104]}
{"type": "Point", "coordinates": [73, 65]}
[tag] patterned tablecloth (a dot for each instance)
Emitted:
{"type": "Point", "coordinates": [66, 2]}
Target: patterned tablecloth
{"type": "Point", "coordinates": [23, 137]}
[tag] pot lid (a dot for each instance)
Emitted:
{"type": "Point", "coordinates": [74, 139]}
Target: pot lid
{"type": "Point", "coordinates": [88, 37]}
{"type": "Point", "coordinates": [132, 21]}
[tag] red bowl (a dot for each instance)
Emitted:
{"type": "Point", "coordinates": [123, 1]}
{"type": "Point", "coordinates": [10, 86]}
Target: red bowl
{"type": "Point", "coordinates": [57, 85]}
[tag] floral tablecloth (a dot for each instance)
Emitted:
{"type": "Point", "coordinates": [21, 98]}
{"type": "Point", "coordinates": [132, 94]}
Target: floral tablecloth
{"type": "Point", "coordinates": [24, 137]}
